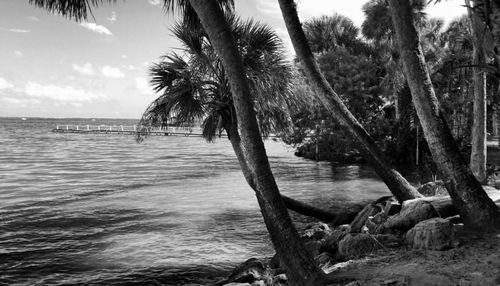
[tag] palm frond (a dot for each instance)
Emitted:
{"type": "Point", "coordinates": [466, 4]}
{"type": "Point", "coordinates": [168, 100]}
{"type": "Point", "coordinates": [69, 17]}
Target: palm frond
{"type": "Point", "coordinates": [73, 9]}
{"type": "Point", "coordinates": [172, 68]}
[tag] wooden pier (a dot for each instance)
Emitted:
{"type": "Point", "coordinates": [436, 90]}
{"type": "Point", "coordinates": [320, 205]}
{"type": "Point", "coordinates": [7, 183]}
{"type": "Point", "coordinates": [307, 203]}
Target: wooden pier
{"type": "Point", "coordinates": [129, 130]}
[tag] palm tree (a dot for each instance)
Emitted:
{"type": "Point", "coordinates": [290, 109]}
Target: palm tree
{"type": "Point", "coordinates": [298, 263]}
{"type": "Point", "coordinates": [328, 32]}
{"type": "Point", "coordinates": [472, 202]}
{"type": "Point", "coordinates": [299, 266]}
{"type": "Point", "coordinates": [332, 102]}
{"type": "Point", "coordinates": [478, 142]}
{"type": "Point", "coordinates": [193, 87]}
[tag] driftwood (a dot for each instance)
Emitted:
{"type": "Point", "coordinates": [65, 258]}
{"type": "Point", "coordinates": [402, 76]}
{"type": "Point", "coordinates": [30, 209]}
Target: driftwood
{"type": "Point", "coordinates": [350, 211]}
{"type": "Point", "coordinates": [445, 208]}
{"type": "Point", "coordinates": [336, 217]}
{"type": "Point", "coordinates": [360, 220]}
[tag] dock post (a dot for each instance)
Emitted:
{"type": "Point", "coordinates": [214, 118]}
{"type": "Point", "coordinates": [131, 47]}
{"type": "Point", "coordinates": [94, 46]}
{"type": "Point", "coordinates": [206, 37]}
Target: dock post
{"type": "Point", "coordinates": [88, 127]}
{"type": "Point", "coordinates": [135, 130]}
{"type": "Point", "coordinates": [98, 127]}
{"type": "Point", "coordinates": [77, 128]}
{"type": "Point", "coordinates": [67, 127]}
{"type": "Point", "coordinates": [121, 127]}
{"type": "Point", "coordinates": [57, 127]}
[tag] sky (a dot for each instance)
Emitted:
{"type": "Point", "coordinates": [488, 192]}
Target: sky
{"type": "Point", "coordinates": [54, 67]}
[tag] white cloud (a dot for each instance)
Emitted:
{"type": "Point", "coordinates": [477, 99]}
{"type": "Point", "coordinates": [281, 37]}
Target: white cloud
{"type": "Point", "coordinates": [15, 30]}
{"type": "Point", "coordinates": [96, 28]}
{"type": "Point", "coordinates": [142, 85]}
{"type": "Point", "coordinates": [270, 7]}
{"type": "Point", "coordinates": [130, 67]}
{"type": "Point", "coordinates": [63, 94]}
{"type": "Point", "coordinates": [18, 54]}
{"type": "Point", "coordinates": [33, 18]}
{"type": "Point", "coordinates": [154, 2]}
{"type": "Point", "coordinates": [113, 17]}
{"type": "Point", "coordinates": [85, 69]}
{"type": "Point", "coordinates": [112, 72]}
{"type": "Point", "coordinates": [124, 56]}
{"type": "Point", "coordinates": [4, 84]}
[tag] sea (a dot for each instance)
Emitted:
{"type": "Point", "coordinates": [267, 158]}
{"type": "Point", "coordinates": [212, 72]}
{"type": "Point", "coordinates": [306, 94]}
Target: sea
{"type": "Point", "coordinates": [102, 209]}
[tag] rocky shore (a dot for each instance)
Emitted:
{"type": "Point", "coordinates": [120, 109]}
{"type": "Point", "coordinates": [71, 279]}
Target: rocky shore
{"type": "Point", "coordinates": [392, 244]}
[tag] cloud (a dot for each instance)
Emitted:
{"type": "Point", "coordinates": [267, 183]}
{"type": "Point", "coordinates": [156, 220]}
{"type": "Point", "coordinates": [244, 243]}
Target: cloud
{"type": "Point", "coordinates": [155, 2]}
{"type": "Point", "coordinates": [129, 67]}
{"type": "Point", "coordinates": [4, 84]}
{"type": "Point", "coordinates": [96, 28]}
{"type": "Point", "coordinates": [113, 17]}
{"type": "Point", "coordinates": [62, 94]}
{"type": "Point", "coordinates": [270, 7]}
{"type": "Point", "coordinates": [85, 69]}
{"type": "Point", "coordinates": [15, 30]}
{"type": "Point", "coordinates": [124, 56]}
{"type": "Point", "coordinates": [18, 54]}
{"type": "Point", "coordinates": [33, 18]}
{"type": "Point", "coordinates": [142, 85]}
{"type": "Point", "coordinates": [112, 72]}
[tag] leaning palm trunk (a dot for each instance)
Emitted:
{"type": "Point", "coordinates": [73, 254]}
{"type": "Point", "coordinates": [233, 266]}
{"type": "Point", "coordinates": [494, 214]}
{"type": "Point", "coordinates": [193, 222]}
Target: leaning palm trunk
{"type": "Point", "coordinates": [398, 185]}
{"type": "Point", "coordinates": [299, 265]}
{"type": "Point", "coordinates": [291, 204]}
{"type": "Point", "coordinates": [471, 201]}
{"type": "Point", "coordinates": [478, 152]}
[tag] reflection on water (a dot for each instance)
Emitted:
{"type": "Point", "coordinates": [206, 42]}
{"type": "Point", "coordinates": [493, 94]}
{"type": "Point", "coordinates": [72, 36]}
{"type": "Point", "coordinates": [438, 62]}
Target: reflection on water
{"type": "Point", "coordinates": [80, 209]}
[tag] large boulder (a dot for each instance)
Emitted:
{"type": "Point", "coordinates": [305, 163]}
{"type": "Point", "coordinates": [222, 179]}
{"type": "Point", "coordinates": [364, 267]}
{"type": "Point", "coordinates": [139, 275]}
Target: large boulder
{"type": "Point", "coordinates": [412, 212]}
{"type": "Point", "coordinates": [316, 231]}
{"type": "Point", "coordinates": [433, 234]}
{"type": "Point", "coordinates": [331, 243]}
{"type": "Point", "coordinates": [324, 259]}
{"type": "Point", "coordinates": [436, 188]}
{"type": "Point", "coordinates": [248, 272]}
{"type": "Point", "coordinates": [352, 246]}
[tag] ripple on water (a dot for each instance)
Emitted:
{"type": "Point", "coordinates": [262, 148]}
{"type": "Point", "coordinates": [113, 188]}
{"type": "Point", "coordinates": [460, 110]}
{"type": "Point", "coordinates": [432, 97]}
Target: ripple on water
{"type": "Point", "coordinates": [103, 210]}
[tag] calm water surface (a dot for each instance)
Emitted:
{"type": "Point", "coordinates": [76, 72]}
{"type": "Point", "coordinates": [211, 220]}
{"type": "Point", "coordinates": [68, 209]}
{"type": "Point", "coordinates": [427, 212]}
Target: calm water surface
{"type": "Point", "coordinates": [104, 210]}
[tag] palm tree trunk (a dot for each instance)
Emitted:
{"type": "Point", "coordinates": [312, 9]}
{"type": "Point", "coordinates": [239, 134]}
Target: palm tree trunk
{"type": "Point", "coordinates": [291, 204]}
{"type": "Point", "coordinates": [471, 201]}
{"type": "Point", "coordinates": [478, 152]}
{"type": "Point", "coordinates": [398, 185]}
{"type": "Point", "coordinates": [299, 265]}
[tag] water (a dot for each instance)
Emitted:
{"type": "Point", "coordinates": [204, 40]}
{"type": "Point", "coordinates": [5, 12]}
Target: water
{"type": "Point", "coordinates": [104, 210]}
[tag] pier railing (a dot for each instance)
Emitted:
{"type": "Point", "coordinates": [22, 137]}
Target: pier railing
{"type": "Point", "coordinates": [130, 129]}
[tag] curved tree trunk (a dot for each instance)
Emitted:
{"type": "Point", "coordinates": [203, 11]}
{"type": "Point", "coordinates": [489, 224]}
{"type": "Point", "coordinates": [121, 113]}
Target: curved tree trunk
{"type": "Point", "coordinates": [474, 206]}
{"type": "Point", "coordinates": [398, 185]}
{"type": "Point", "coordinates": [291, 204]}
{"type": "Point", "coordinates": [299, 266]}
{"type": "Point", "coordinates": [478, 141]}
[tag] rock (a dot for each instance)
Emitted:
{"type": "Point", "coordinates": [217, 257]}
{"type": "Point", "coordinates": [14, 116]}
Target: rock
{"type": "Point", "coordinates": [433, 234]}
{"type": "Point", "coordinates": [436, 188]}
{"type": "Point", "coordinates": [331, 243]}
{"type": "Point", "coordinates": [360, 220]}
{"type": "Point", "coordinates": [324, 258]}
{"type": "Point", "coordinates": [237, 284]}
{"type": "Point", "coordinates": [280, 278]}
{"type": "Point", "coordinates": [248, 272]}
{"type": "Point", "coordinates": [411, 213]}
{"type": "Point", "coordinates": [357, 245]}
{"type": "Point", "coordinates": [259, 283]}
{"type": "Point", "coordinates": [317, 231]}
{"type": "Point", "coordinates": [313, 246]}
{"type": "Point", "coordinates": [374, 224]}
